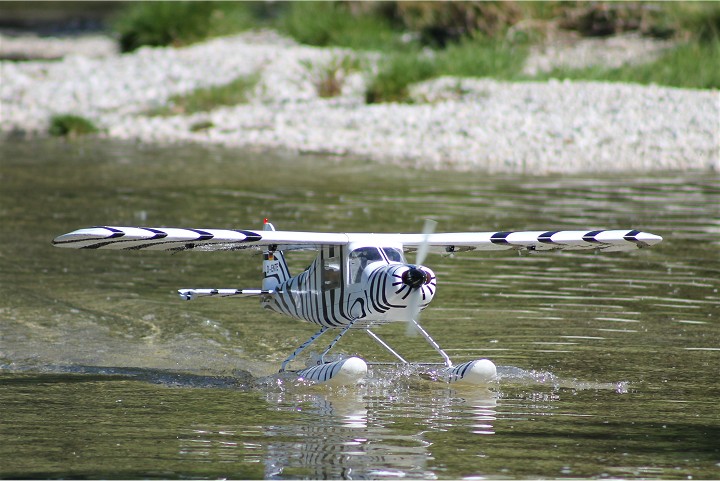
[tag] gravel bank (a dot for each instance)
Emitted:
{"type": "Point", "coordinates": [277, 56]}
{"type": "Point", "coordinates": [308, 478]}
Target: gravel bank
{"type": "Point", "coordinates": [455, 123]}
{"type": "Point", "coordinates": [27, 47]}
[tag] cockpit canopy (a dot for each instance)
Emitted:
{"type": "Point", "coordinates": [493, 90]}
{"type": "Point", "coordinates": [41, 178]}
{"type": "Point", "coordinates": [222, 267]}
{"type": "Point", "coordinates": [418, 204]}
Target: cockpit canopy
{"type": "Point", "coordinates": [359, 258]}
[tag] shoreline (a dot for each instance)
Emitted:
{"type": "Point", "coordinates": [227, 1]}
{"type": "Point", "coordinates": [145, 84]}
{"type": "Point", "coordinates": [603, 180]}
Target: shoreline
{"type": "Point", "coordinates": [454, 123]}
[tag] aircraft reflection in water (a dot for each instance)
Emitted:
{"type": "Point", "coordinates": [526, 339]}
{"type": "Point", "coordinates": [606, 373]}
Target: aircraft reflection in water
{"type": "Point", "coordinates": [348, 438]}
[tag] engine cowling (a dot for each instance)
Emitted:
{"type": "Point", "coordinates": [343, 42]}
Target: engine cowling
{"type": "Point", "coordinates": [391, 288]}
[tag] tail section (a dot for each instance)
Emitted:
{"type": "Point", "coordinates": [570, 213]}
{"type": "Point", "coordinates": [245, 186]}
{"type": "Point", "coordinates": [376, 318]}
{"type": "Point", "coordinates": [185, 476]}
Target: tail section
{"type": "Point", "coordinates": [275, 269]}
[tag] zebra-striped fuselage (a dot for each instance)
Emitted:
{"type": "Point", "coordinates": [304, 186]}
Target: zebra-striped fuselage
{"type": "Point", "coordinates": [331, 292]}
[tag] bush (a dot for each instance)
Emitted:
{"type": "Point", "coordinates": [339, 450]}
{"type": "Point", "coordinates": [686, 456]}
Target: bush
{"type": "Point", "coordinates": [396, 73]}
{"type": "Point", "coordinates": [700, 19]}
{"type": "Point", "coordinates": [182, 23]}
{"type": "Point", "coordinates": [70, 126]}
{"type": "Point", "coordinates": [338, 24]}
{"type": "Point", "coordinates": [442, 23]}
{"type": "Point", "coordinates": [597, 19]}
{"type": "Point", "coordinates": [329, 78]}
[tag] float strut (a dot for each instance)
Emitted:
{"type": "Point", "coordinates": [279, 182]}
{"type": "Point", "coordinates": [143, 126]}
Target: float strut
{"type": "Point", "coordinates": [434, 344]}
{"type": "Point", "coordinates": [302, 347]}
{"type": "Point", "coordinates": [334, 341]}
{"type": "Point", "coordinates": [383, 344]}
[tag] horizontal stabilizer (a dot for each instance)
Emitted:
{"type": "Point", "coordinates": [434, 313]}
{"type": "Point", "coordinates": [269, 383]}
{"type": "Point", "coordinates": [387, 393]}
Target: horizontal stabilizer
{"type": "Point", "coordinates": [190, 294]}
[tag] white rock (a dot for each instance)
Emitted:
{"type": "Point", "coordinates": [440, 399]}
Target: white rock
{"type": "Point", "coordinates": [535, 127]}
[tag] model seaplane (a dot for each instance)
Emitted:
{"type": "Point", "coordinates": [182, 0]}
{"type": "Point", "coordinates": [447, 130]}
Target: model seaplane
{"type": "Point", "coordinates": [357, 281]}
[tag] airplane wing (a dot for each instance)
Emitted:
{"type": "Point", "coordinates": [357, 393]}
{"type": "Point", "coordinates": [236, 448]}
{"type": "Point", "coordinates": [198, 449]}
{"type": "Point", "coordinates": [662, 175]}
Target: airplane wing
{"type": "Point", "coordinates": [173, 239]}
{"type": "Point", "coordinates": [607, 240]}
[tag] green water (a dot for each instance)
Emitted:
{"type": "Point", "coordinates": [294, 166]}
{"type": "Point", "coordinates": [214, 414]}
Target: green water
{"type": "Point", "coordinates": [609, 362]}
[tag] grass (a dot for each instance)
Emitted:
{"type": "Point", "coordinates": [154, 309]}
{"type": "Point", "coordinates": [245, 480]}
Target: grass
{"type": "Point", "coordinates": [327, 23]}
{"type": "Point", "coordinates": [694, 64]}
{"type": "Point", "coordinates": [469, 58]}
{"type": "Point", "coordinates": [183, 23]}
{"type": "Point", "coordinates": [71, 126]}
{"type": "Point", "coordinates": [483, 57]}
{"type": "Point", "coordinates": [206, 99]}
{"type": "Point", "coordinates": [396, 73]}
{"type": "Point", "coordinates": [329, 78]}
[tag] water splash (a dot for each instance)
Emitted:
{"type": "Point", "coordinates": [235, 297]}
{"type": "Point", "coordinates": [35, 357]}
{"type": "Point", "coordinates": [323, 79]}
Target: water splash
{"type": "Point", "coordinates": [515, 376]}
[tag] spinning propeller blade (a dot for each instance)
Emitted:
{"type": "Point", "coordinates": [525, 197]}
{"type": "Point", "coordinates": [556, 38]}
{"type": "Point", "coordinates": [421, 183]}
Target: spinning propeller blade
{"type": "Point", "coordinates": [424, 248]}
{"type": "Point", "coordinates": [416, 296]}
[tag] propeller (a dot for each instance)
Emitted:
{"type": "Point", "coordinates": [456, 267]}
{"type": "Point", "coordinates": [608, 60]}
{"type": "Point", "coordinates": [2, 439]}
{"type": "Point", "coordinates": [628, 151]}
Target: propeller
{"type": "Point", "coordinates": [424, 246]}
{"type": "Point", "coordinates": [415, 278]}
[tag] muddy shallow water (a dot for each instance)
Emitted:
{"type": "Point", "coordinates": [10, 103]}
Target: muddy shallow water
{"type": "Point", "coordinates": [608, 362]}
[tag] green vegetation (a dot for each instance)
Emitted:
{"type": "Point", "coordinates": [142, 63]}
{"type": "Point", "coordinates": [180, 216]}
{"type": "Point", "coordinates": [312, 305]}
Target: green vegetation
{"type": "Point", "coordinates": [483, 57]}
{"type": "Point", "coordinates": [206, 99]}
{"type": "Point", "coordinates": [396, 73]}
{"type": "Point", "coordinates": [71, 126]}
{"type": "Point", "coordinates": [182, 23]}
{"type": "Point", "coordinates": [356, 25]}
{"type": "Point", "coordinates": [421, 40]}
{"type": "Point", "coordinates": [201, 126]}
{"type": "Point", "coordinates": [467, 58]}
{"type": "Point", "coordinates": [697, 20]}
{"type": "Point", "coordinates": [694, 63]}
{"type": "Point", "coordinates": [690, 65]}
{"type": "Point", "coordinates": [329, 78]}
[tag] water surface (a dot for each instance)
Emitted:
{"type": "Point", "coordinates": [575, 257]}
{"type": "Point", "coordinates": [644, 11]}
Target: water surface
{"type": "Point", "coordinates": [609, 362]}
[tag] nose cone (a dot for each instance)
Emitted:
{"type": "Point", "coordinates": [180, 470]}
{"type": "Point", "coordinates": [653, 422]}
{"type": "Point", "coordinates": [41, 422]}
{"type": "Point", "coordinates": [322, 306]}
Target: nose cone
{"type": "Point", "coordinates": [415, 277]}
{"type": "Point", "coordinates": [400, 286]}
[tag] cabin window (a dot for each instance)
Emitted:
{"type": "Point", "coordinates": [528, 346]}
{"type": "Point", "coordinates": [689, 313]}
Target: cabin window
{"type": "Point", "coordinates": [359, 259]}
{"type": "Point", "coordinates": [393, 254]}
{"type": "Point", "coordinates": [331, 277]}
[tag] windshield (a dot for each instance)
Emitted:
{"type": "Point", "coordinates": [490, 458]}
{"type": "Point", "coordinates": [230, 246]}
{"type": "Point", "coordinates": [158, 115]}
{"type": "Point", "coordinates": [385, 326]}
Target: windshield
{"type": "Point", "coordinates": [359, 259]}
{"type": "Point", "coordinates": [393, 254]}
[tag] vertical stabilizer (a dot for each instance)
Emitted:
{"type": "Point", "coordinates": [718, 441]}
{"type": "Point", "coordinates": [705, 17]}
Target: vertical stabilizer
{"type": "Point", "coordinates": [275, 269]}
